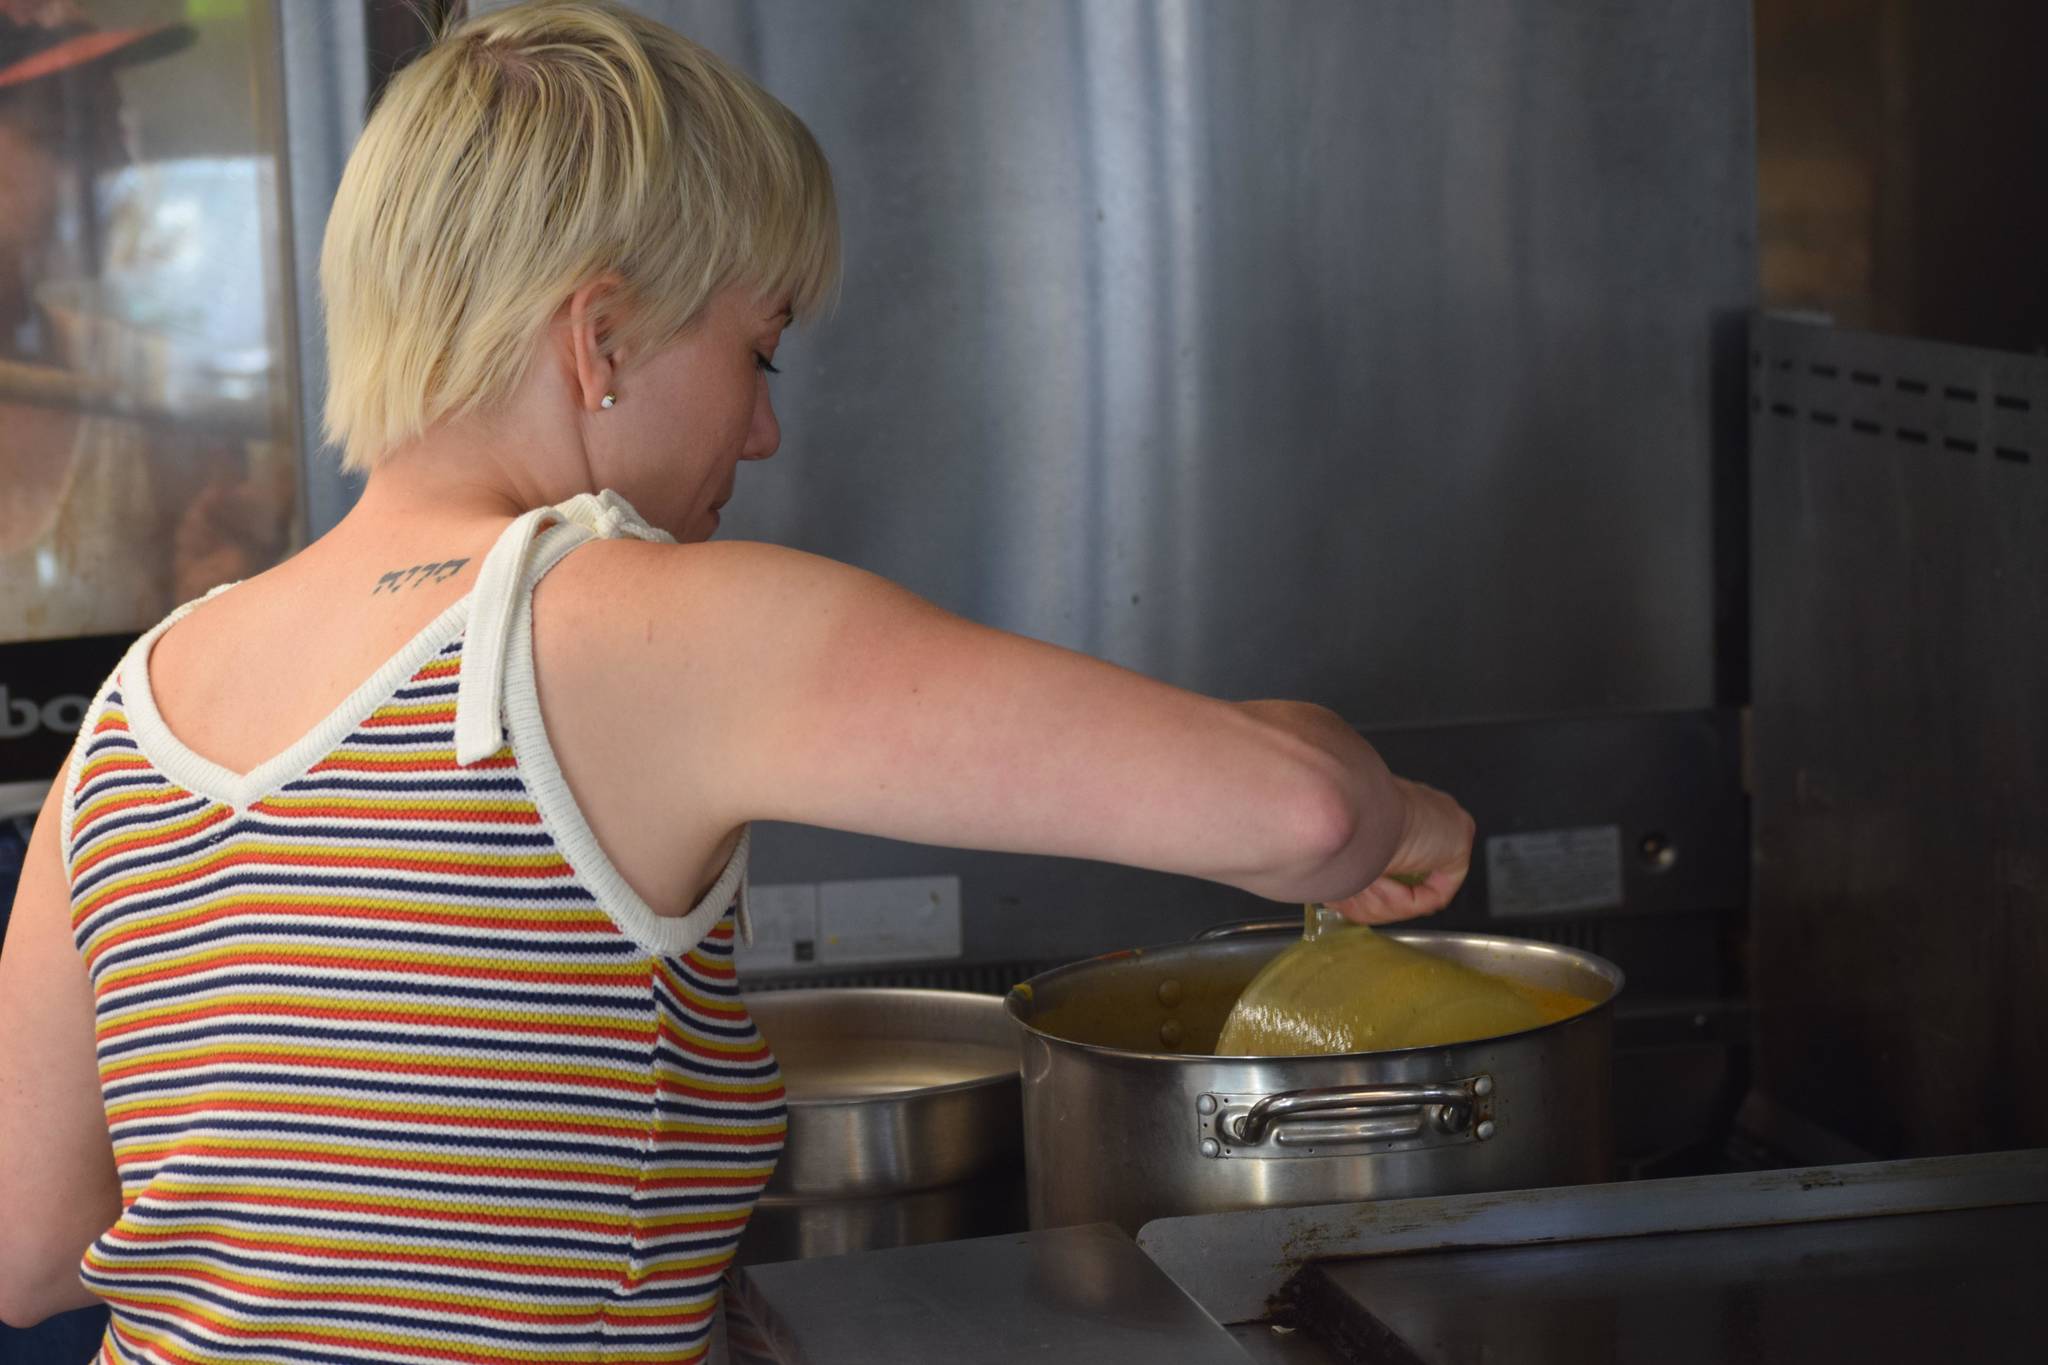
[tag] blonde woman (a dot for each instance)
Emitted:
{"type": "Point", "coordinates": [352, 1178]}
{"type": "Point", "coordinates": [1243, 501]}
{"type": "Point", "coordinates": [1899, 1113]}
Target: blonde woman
{"type": "Point", "coordinates": [397, 885]}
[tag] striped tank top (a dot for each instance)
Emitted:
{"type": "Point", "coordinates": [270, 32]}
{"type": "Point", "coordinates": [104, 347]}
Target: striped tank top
{"type": "Point", "coordinates": [396, 1066]}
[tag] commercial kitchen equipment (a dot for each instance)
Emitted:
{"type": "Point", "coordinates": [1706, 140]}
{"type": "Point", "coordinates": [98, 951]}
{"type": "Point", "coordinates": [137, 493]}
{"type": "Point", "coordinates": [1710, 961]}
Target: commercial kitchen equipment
{"type": "Point", "coordinates": [1930, 1258]}
{"type": "Point", "coordinates": [903, 1121]}
{"type": "Point", "coordinates": [1128, 1118]}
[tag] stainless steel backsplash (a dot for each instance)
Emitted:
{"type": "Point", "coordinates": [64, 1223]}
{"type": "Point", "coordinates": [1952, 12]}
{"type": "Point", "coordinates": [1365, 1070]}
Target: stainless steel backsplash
{"type": "Point", "coordinates": [1350, 351]}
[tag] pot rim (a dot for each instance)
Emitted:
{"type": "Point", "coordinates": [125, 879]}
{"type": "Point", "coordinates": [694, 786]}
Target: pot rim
{"type": "Point", "coordinates": [920, 1093]}
{"type": "Point", "coordinates": [883, 994]}
{"type": "Point", "coordinates": [1593, 960]}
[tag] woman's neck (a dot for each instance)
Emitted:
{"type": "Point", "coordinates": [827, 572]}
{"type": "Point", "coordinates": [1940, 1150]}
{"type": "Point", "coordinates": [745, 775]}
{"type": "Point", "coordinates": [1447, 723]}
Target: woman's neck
{"type": "Point", "coordinates": [471, 471]}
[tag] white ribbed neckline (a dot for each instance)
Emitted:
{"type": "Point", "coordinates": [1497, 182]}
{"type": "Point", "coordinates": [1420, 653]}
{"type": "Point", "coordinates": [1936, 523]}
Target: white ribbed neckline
{"type": "Point", "coordinates": [204, 777]}
{"type": "Point", "coordinates": [666, 935]}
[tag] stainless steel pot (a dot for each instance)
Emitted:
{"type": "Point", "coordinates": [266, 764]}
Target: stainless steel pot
{"type": "Point", "coordinates": [1127, 1119]}
{"type": "Point", "coordinates": [903, 1121]}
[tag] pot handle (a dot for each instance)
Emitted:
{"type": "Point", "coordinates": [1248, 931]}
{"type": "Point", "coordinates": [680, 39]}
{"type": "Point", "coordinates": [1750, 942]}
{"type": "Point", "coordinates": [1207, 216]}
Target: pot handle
{"type": "Point", "coordinates": [1248, 926]}
{"type": "Point", "coordinates": [1454, 1105]}
{"type": "Point", "coordinates": [1446, 1110]}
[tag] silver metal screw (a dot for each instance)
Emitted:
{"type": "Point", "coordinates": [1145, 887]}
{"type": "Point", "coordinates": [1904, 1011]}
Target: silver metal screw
{"type": "Point", "coordinates": [1484, 1130]}
{"type": "Point", "coordinates": [1206, 1105]}
{"type": "Point", "coordinates": [1483, 1086]}
{"type": "Point", "coordinates": [1211, 1147]}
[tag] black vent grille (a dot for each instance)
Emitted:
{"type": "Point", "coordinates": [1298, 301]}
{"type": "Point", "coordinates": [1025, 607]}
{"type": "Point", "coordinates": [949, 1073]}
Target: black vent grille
{"type": "Point", "coordinates": [1951, 402]}
{"type": "Point", "coordinates": [982, 978]}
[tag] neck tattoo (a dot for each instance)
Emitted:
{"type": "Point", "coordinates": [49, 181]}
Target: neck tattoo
{"type": "Point", "coordinates": [418, 575]}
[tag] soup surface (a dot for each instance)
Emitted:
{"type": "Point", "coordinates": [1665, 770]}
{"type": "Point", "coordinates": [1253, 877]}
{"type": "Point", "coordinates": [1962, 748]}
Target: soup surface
{"type": "Point", "coordinates": [1347, 989]}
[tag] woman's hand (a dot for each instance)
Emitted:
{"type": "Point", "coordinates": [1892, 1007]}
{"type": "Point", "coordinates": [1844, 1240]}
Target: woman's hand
{"type": "Point", "coordinates": [1428, 866]}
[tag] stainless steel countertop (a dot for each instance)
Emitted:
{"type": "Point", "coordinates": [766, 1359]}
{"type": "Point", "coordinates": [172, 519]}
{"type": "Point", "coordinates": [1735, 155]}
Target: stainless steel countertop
{"type": "Point", "coordinates": [1066, 1294]}
{"type": "Point", "coordinates": [1959, 1285]}
{"type": "Point", "coordinates": [1236, 1264]}
{"type": "Point", "coordinates": [1935, 1257]}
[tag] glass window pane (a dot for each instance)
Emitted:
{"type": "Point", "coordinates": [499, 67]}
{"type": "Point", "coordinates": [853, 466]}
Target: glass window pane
{"type": "Point", "coordinates": [147, 443]}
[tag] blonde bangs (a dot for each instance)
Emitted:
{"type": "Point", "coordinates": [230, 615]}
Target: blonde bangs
{"type": "Point", "coordinates": [529, 151]}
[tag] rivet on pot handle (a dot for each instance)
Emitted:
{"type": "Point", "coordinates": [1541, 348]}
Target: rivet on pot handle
{"type": "Point", "coordinates": [1453, 1111]}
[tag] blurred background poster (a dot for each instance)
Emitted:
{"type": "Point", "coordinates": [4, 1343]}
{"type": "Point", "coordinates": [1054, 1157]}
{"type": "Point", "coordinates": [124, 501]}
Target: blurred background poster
{"type": "Point", "coordinates": [147, 443]}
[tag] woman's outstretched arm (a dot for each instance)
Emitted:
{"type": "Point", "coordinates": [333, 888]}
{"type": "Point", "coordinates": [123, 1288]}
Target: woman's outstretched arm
{"type": "Point", "coordinates": [821, 694]}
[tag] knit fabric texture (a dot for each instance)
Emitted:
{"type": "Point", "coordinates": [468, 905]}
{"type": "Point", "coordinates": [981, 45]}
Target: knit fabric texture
{"type": "Point", "coordinates": [386, 1080]}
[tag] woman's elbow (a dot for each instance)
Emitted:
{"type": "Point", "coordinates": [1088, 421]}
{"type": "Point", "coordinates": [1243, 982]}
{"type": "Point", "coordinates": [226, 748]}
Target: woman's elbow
{"type": "Point", "coordinates": [36, 1282]}
{"type": "Point", "coordinates": [1323, 842]}
{"type": "Point", "coordinates": [20, 1305]}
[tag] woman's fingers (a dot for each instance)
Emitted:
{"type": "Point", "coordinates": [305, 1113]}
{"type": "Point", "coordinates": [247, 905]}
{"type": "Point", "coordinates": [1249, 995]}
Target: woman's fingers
{"type": "Point", "coordinates": [1427, 868]}
{"type": "Point", "coordinates": [1390, 898]}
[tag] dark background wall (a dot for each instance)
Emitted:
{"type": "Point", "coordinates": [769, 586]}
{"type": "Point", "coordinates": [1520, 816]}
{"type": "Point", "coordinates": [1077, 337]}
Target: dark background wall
{"type": "Point", "coordinates": [1902, 165]}
{"type": "Point", "coordinates": [1900, 905]}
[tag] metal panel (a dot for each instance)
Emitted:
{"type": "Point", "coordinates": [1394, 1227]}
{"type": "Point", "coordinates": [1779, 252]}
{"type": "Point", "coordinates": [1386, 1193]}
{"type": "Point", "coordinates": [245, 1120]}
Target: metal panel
{"type": "Point", "coordinates": [1901, 752]}
{"type": "Point", "coordinates": [1928, 1286]}
{"type": "Point", "coordinates": [1358, 352]}
{"type": "Point", "coordinates": [1233, 1264]}
{"type": "Point", "coordinates": [1082, 1293]}
{"type": "Point", "coordinates": [1366, 353]}
{"type": "Point", "coordinates": [323, 53]}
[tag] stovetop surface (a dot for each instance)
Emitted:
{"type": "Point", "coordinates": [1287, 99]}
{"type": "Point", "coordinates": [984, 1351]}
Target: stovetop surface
{"type": "Point", "coordinates": [1956, 1285]}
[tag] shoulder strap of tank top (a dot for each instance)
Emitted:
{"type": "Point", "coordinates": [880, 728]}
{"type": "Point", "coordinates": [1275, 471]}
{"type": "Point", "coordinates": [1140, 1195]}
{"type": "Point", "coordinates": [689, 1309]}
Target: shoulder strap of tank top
{"type": "Point", "coordinates": [500, 586]}
{"type": "Point", "coordinates": [528, 549]}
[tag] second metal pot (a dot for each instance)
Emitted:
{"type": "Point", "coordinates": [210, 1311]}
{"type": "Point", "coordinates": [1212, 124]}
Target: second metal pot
{"type": "Point", "coordinates": [1127, 1118]}
{"type": "Point", "coordinates": [903, 1121]}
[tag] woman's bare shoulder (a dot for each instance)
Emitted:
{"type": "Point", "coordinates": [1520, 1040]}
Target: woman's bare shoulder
{"type": "Point", "coordinates": [654, 571]}
{"type": "Point", "coordinates": [630, 604]}
{"type": "Point", "coordinates": [648, 661]}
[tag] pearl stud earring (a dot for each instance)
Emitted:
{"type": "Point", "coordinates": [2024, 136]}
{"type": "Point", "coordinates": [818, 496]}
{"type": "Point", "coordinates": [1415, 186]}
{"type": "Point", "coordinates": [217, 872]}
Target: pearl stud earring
{"type": "Point", "coordinates": [609, 400]}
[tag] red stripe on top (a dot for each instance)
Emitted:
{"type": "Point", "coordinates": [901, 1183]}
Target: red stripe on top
{"type": "Point", "coordinates": [117, 763]}
{"type": "Point", "coordinates": [604, 976]}
{"type": "Point", "coordinates": [431, 1165]}
{"type": "Point", "coordinates": [368, 860]}
{"type": "Point", "coordinates": [528, 816]}
{"type": "Point", "coordinates": [344, 1341]}
{"type": "Point", "coordinates": [335, 1204]}
{"type": "Point", "coordinates": [412, 1018]}
{"type": "Point", "coordinates": [440, 715]}
{"type": "Point", "coordinates": [585, 924]}
{"type": "Point", "coordinates": [160, 1066]}
{"type": "Point", "coordinates": [337, 1295]}
{"type": "Point", "coordinates": [484, 1259]}
{"type": "Point", "coordinates": [416, 765]}
{"type": "Point", "coordinates": [360, 1114]}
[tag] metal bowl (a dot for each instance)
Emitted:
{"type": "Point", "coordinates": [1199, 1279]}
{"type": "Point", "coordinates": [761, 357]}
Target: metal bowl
{"type": "Point", "coordinates": [891, 1091]}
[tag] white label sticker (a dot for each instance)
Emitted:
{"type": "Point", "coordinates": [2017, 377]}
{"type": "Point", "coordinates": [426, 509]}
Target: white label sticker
{"type": "Point", "coordinates": [1554, 871]}
{"type": "Point", "coordinates": [890, 919]}
{"type": "Point", "coordinates": [785, 920]}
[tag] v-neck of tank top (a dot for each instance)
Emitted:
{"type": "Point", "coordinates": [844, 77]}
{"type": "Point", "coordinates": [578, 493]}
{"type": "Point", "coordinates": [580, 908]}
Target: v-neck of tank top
{"type": "Point", "coordinates": [506, 628]}
{"type": "Point", "coordinates": [518, 544]}
{"type": "Point", "coordinates": [204, 777]}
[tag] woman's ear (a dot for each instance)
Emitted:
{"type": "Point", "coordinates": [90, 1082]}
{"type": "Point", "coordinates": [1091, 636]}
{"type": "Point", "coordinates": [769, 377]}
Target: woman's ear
{"type": "Point", "coordinates": [592, 362]}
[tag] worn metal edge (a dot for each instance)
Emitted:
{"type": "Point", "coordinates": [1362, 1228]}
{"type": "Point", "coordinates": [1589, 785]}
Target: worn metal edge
{"type": "Point", "coordinates": [1235, 1264]}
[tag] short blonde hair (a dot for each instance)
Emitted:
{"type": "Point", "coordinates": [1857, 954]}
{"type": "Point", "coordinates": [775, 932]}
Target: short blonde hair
{"type": "Point", "coordinates": [527, 152]}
